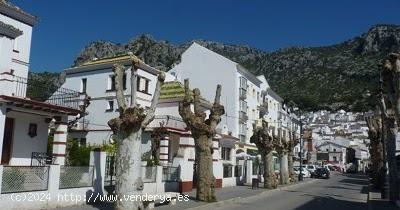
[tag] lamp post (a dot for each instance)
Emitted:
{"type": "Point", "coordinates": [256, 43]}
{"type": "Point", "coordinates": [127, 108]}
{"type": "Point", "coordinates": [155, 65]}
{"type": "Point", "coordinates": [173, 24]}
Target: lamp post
{"type": "Point", "coordinates": [301, 151]}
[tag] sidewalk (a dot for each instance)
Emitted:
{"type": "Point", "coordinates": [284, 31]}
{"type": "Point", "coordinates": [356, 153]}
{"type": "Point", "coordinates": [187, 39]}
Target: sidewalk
{"type": "Point", "coordinates": [227, 194]}
{"type": "Point", "coordinates": [376, 203]}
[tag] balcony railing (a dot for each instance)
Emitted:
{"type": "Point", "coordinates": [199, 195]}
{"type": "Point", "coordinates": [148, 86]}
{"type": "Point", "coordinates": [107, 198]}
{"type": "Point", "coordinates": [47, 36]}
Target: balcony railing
{"type": "Point", "coordinates": [45, 91]}
{"type": "Point", "coordinates": [243, 116]}
{"type": "Point", "coordinates": [242, 93]}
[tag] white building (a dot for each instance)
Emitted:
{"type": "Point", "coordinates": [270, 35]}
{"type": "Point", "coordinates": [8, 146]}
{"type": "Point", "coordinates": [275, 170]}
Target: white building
{"type": "Point", "coordinates": [24, 120]}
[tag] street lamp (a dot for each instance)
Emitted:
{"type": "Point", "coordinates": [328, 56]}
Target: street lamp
{"type": "Point", "coordinates": [301, 151]}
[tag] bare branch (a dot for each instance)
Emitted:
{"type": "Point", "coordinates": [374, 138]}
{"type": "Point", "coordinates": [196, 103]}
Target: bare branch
{"type": "Point", "coordinates": [134, 69]}
{"type": "Point", "coordinates": [154, 101]}
{"type": "Point", "coordinates": [119, 86]}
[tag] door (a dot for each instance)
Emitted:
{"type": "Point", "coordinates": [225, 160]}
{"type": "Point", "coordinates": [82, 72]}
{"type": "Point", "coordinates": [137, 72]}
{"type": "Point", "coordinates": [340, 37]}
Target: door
{"type": "Point", "coordinates": [7, 141]}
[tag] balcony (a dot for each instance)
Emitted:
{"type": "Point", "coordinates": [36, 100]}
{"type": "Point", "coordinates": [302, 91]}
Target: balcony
{"type": "Point", "coordinates": [42, 91]}
{"type": "Point", "coordinates": [82, 124]}
{"type": "Point", "coordinates": [242, 93]}
{"type": "Point", "coordinates": [243, 116]}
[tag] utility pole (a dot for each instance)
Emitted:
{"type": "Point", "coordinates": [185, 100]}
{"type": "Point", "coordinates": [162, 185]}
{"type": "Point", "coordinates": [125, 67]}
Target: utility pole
{"type": "Point", "coordinates": [301, 151]}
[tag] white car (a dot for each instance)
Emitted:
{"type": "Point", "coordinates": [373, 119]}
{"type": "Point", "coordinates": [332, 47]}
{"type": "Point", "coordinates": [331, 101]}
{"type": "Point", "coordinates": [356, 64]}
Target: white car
{"type": "Point", "coordinates": [311, 168]}
{"type": "Point", "coordinates": [304, 171]}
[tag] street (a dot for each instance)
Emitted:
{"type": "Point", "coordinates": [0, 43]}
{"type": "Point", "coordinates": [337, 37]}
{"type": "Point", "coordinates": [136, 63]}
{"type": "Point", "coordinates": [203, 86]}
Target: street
{"type": "Point", "coordinates": [341, 191]}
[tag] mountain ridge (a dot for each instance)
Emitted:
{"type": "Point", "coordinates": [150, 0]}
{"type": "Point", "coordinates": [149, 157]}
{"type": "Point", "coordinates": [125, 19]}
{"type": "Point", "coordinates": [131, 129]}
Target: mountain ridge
{"type": "Point", "coordinates": [327, 77]}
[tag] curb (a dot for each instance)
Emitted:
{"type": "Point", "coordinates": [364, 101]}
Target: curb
{"type": "Point", "coordinates": [239, 199]}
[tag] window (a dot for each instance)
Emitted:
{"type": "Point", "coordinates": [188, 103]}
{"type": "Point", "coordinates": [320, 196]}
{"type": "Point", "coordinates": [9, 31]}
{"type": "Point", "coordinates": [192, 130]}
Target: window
{"type": "Point", "coordinates": [82, 142]}
{"type": "Point", "coordinates": [15, 47]}
{"type": "Point", "coordinates": [111, 83]}
{"type": "Point", "coordinates": [227, 171]}
{"type": "Point", "coordinates": [83, 85]}
{"type": "Point", "coordinates": [110, 106]}
{"type": "Point", "coordinates": [243, 83]}
{"type": "Point", "coordinates": [243, 106]}
{"type": "Point", "coordinates": [226, 153]}
{"type": "Point", "coordinates": [334, 159]}
{"type": "Point", "coordinates": [327, 150]}
{"type": "Point", "coordinates": [334, 150]}
{"type": "Point", "coordinates": [142, 84]}
{"type": "Point", "coordinates": [238, 171]}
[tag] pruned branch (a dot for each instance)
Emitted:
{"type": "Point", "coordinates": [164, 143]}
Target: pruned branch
{"type": "Point", "coordinates": [119, 71]}
{"type": "Point", "coordinates": [134, 69]}
{"type": "Point", "coordinates": [154, 101]}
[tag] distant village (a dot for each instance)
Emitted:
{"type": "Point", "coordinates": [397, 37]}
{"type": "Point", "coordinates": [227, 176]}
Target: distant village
{"type": "Point", "coordinates": [339, 138]}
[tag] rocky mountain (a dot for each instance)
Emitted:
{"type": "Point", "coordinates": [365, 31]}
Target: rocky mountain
{"type": "Point", "coordinates": [328, 77]}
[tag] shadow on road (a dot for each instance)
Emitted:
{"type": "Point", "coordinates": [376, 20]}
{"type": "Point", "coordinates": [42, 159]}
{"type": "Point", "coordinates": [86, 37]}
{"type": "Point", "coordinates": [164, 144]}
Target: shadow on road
{"type": "Point", "coordinates": [329, 203]}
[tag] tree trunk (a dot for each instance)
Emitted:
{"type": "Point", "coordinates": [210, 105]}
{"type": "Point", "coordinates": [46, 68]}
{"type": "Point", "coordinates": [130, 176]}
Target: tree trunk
{"type": "Point", "coordinates": [203, 130]}
{"type": "Point", "coordinates": [205, 179]}
{"type": "Point", "coordinates": [128, 129]}
{"type": "Point", "coordinates": [269, 173]}
{"type": "Point", "coordinates": [129, 171]}
{"type": "Point", "coordinates": [284, 171]}
{"type": "Point", "coordinates": [391, 158]}
{"type": "Point", "coordinates": [292, 175]}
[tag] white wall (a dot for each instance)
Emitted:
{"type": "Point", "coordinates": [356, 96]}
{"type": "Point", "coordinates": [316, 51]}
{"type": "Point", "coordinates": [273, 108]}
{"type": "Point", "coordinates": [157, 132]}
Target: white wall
{"type": "Point", "coordinates": [97, 85]}
{"type": "Point", "coordinates": [205, 69]}
{"type": "Point", "coordinates": [23, 145]}
{"type": "Point", "coordinates": [20, 62]}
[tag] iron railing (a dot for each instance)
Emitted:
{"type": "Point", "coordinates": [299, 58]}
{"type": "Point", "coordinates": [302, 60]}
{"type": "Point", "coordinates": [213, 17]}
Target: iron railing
{"type": "Point", "coordinates": [45, 91]}
{"type": "Point", "coordinates": [171, 174]}
{"type": "Point", "coordinates": [24, 179]}
{"type": "Point", "coordinates": [41, 159]}
{"type": "Point", "coordinates": [76, 176]}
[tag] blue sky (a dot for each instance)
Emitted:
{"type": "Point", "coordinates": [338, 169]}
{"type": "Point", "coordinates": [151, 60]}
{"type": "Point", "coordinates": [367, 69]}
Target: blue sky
{"type": "Point", "coordinates": [66, 26]}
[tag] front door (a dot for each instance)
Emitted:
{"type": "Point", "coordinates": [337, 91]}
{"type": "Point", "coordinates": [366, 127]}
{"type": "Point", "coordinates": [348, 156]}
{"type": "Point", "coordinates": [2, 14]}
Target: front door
{"type": "Point", "coordinates": [7, 141]}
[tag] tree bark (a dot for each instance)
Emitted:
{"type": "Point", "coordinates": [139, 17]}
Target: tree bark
{"type": "Point", "coordinates": [375, 149]}
{"type": "Point", "coordinates": [128, 128]}
{"type": "Point", "coordinates": [391, 158]}
{"type": "Point", "coordinates": [265, 146]}
{"type": "Point", "coordinates": [205, 179]}
{"type": "Point", "coordinates": [391, 115]}
{"type": "Point", "coordinates": [203, 130]}
{"type": "Point", "coordinates": [284, 172]}
{"type": "Point", "coordinates": [269, 173]}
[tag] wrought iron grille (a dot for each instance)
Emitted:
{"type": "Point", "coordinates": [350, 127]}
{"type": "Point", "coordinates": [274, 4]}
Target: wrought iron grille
{"type": "Point", "coordinates": [171, 174]}
{"type": "Point", "coordinates": [41, 159]}
{"type": "Point", "coordinates": [76, 176]}
{"type": "Point", "coordinates": [149, 174]}
{"type": "Point", "coordinates": [110, 171]}
{"type": "Point", "coordinates": [46, 91]}
{"type": "Point", "coordinates": [24, 179]}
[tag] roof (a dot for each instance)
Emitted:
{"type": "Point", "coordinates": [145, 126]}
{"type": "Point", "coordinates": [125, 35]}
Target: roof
{"type": "Point", "coordinates": [12, 11]}
{"type": "Point", "coordinates": [9, 30]}
{"type": "Point", "coordinates": [107, 63]}
{"type": "Point", "coordinates": [38, 106]}
{"type": "Point", "coordinates": [274, 95]}
{"type": "Point", "coordinates": [176, 91]}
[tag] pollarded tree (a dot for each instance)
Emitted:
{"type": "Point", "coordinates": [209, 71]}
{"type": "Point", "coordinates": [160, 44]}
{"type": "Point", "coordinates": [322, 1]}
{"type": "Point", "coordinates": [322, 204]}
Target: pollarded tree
{"type": "Point", "coordinates": [374, 124]}
{"type": "Point", "coordinates": [203, 130]}
{"type": "Point", "coordinates": [390, 110]}
{"type": "Point", "coordinates": [156, 136]}
{"type": "Point", "coordinates": [290, 147]}
{"type": "Point", "coordinates": [265, 146]}
{"type": "Point", "coordinates": [128, 129]}
{"type": "Point", "coordinates": [281, 147]}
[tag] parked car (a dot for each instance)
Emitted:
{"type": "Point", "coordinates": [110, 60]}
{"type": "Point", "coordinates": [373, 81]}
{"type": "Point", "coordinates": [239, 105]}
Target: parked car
{"type": "Point", "coordinates": [321, 173]}
{"type": "Point", "coordinates": [311, 168]}
{"type": "Point", "coordinates": [304, 171]}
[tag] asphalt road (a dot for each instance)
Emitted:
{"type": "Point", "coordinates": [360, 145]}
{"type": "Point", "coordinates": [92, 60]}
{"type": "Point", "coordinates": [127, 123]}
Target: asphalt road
{"type": "Point", "coordinates": [340, 192]}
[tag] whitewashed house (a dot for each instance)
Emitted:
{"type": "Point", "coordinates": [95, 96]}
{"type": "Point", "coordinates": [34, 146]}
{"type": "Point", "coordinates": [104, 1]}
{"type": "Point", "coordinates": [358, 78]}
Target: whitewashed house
{"type": "Point", "coordinates": [27, 164]}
